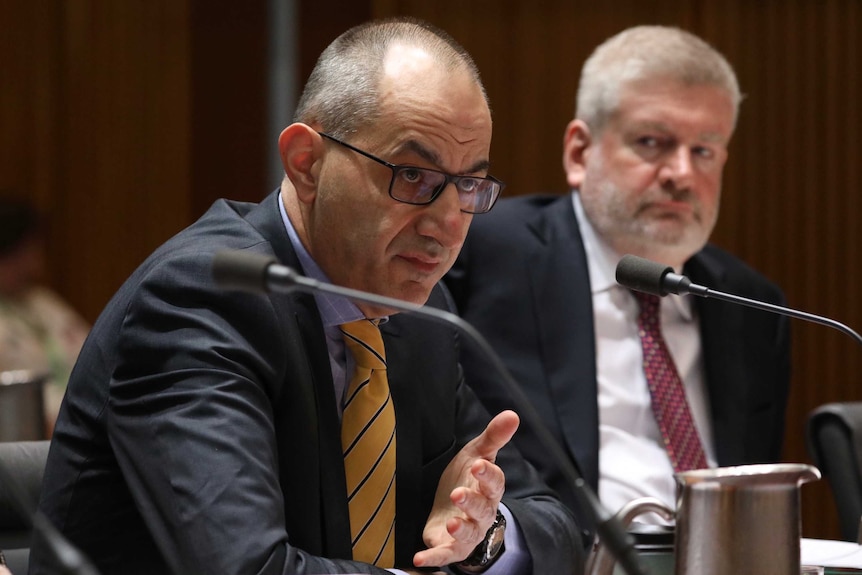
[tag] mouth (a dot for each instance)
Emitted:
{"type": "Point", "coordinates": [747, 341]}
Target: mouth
{"type": "Point", "coordinates": [671, 207]}
{"type": "Point", "coordinates": [422, 262]}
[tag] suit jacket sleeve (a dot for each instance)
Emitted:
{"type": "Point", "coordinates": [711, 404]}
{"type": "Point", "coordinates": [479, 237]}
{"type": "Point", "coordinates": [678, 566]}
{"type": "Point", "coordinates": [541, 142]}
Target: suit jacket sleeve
{"type": "Point", "coordinates": [191, 422]}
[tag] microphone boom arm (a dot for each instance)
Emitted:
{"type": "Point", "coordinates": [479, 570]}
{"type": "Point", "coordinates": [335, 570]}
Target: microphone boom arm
{"type": "Point", "coordinates": [643, 275]}
{"type": "Point", "coordinates": [681, 285]}
{"type": "Point", "coordinates": [781, 310]}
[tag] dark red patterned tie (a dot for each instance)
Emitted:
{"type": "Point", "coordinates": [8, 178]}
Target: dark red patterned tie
{"type": "Point", "coordinates": [669, 404]}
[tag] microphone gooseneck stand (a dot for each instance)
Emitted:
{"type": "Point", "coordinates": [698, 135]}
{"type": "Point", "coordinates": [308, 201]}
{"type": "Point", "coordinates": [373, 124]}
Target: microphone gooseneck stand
{"type": "Point", "coordinates": [650, 277]}
{"type": "Point", "coordinates": [258, 273]}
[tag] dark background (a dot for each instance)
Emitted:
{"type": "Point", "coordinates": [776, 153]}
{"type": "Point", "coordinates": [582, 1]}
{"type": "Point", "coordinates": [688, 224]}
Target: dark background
{"type": "Point", "coordinates": [124, 120]}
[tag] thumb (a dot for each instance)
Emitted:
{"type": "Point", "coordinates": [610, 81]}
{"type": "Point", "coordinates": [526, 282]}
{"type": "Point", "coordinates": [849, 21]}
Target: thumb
{"type": "Point", "coordinates": [497, 434]}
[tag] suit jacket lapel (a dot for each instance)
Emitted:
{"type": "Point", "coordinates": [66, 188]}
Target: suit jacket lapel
{"type": "Point", "coordinates": [329, 469]}
{"type": "Point", "coordinates": [561, 296]}
{"type": "Point", "coordinates": [402, 382]}
{"type": "Point", "coordinates": [306, 418]}
{"type": "Point", "coordinates": [721, 326]}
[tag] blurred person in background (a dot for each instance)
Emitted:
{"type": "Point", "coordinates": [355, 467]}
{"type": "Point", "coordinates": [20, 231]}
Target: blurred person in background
{"type": "Point", "coordinates": [39, 332]}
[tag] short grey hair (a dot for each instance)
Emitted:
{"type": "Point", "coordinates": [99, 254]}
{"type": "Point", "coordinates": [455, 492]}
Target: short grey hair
{"type": "Point", "coordinates": [646, 52]}
{"type": "Point", "coordinates": [342, 93]}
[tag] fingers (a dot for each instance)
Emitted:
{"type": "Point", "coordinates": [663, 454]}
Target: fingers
{"type": "Point", "coordinates": [490, 480]}
{"type": "Point", "coordinates": [465, 535]}
{"type": "Point", "coordinates": [497, 434]}
{"type": "Point", "coordinates": [478, 504]}
{"type": "Point", "coordinates": [480, 501]}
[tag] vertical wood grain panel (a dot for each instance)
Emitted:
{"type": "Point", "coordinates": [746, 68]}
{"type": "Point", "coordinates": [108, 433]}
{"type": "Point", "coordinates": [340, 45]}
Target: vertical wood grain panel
{"type": "Point", "coordinates": [227, 79]}
{"type": "Point", "coordinates": [123, 128]}
{"type": "Point", "coordinates": [321, 22]}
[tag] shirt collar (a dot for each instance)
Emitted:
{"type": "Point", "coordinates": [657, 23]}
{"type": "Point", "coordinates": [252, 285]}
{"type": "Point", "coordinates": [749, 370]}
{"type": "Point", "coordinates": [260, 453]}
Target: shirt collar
{"type": "Point", "coordinates": [601, 258]}
{"type": "Point", "coordinates": [602, 262]}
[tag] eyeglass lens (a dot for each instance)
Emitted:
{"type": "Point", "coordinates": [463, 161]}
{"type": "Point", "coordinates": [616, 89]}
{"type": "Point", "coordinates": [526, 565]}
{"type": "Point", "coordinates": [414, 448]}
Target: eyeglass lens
{"type": "Point", "coordinates": [421, 186]}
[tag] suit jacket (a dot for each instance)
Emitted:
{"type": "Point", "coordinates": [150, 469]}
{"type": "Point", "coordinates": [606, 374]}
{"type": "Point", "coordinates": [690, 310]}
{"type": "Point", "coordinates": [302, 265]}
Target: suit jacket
{"type": "Point", "coordinates": [200, 430]}
{"type": "Point", "coordinates": [522, 280]}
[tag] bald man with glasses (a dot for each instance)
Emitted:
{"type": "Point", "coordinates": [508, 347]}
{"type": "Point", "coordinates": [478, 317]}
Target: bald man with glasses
{"type": "Point", "coordinates": [208, 431]}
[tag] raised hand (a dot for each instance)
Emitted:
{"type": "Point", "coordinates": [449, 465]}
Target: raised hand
{"type": "Point", "coordinates": [468, 495]}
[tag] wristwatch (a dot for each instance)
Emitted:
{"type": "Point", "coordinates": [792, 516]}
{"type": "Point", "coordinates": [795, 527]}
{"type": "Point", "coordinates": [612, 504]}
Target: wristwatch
{"type": "Point", "coordinates": [488, 551]}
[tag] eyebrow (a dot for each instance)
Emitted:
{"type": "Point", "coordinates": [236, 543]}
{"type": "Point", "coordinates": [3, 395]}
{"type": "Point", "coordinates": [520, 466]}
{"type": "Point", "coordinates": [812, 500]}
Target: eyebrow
{"type": "Point", "coordinates": [433, 158]}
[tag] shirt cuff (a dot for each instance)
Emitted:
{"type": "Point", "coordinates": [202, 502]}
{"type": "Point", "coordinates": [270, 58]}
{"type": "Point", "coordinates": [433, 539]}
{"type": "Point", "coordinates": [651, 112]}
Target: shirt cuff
{"type": "Point", "coordinates": [516, 556]}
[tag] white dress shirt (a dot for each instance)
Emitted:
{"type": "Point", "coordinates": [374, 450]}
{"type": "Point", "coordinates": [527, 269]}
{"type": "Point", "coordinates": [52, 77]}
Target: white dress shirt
{"type": "Point", "coordinates": [632, 459]}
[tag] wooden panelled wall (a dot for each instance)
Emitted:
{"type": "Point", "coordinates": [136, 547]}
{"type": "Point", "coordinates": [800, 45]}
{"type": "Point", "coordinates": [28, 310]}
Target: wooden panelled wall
{"type": "Point", "coordinates": [125, 120]}
{"type": "Point", "coordinates": [95, 108]}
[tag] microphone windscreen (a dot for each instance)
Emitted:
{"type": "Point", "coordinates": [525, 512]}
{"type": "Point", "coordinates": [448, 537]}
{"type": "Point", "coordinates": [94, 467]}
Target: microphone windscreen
{"type": "Point", "coordinates": [241, 270]}
{"type": "Point", "coordinates": [642, 274]}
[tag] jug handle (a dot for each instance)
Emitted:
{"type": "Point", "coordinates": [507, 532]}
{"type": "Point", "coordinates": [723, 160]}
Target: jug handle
{"type": "Point", "coordinates": [600, 561]}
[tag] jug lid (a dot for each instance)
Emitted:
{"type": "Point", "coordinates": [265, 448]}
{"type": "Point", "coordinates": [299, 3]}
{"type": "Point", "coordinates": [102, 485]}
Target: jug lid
{"type": "Point", "coordinates": [758, 474]}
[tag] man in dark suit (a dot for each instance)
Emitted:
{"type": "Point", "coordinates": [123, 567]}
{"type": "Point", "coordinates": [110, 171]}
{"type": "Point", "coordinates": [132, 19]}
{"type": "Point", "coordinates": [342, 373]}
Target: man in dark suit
{"type": "Point", "coordinates": [202, 429]}
{"type": "Point", "coordinates": [644, 156]}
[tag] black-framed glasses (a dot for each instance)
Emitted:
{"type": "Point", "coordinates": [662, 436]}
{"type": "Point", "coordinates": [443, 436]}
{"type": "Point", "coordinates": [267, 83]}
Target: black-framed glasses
{"type": "Point", "coordinates": [421, 186]}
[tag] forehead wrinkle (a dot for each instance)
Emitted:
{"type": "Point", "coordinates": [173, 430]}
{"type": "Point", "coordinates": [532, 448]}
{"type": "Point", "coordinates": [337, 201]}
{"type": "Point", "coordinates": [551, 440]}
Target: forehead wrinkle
{"type": "Point", "coordinates": [433, 158]}
{"type": "Point", "coordinates": [713, 137]}
{"type": "Point", "coordinates": [657, 126]}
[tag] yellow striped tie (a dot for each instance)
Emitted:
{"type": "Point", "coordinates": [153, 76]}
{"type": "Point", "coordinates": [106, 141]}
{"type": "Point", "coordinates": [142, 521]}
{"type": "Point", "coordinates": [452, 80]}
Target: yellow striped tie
{"type": "Point", "coordinates": [368, 441]}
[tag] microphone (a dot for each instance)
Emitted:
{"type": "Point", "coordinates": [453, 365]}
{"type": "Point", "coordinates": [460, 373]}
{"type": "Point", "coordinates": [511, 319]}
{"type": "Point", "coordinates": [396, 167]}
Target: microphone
{"type": "Point", "coordinates": [259, 273]}
{"type": "Point", "coordinates": [650, 277]}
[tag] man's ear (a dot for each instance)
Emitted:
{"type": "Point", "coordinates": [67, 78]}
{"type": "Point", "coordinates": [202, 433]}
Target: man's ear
{"type": "Point", "coordinates": [576, 147]}
{"type": "Point", "coordinates": [301, 149]}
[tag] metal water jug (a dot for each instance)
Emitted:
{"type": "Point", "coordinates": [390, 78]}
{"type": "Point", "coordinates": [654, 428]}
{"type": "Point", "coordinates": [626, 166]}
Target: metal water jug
{"type": "Point", "coordinates": [729, 520]}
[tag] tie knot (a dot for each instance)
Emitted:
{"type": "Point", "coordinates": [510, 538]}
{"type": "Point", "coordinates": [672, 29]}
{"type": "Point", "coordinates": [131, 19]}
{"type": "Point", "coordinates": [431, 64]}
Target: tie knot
{"type": "Point", "coordinates": [364, 341]}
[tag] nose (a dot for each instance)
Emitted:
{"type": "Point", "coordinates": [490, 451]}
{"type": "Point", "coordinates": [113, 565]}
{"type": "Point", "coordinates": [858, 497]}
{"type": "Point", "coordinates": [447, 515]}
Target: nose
{"type": "Point", "coordinates": [443, 218]}
{"type": "Point", "coordinates": [677, 169]}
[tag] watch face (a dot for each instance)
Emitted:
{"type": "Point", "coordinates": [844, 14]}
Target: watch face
{"type": "Point", "coordinates": [495, 541]}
